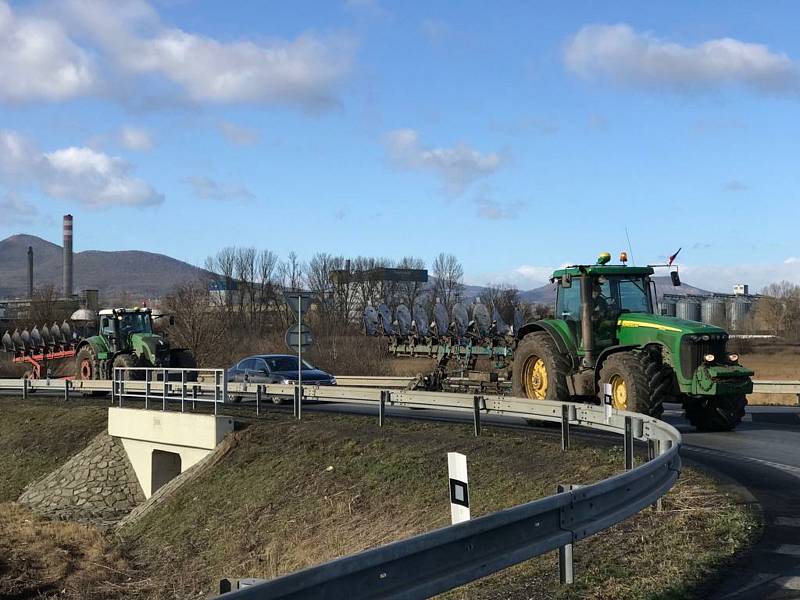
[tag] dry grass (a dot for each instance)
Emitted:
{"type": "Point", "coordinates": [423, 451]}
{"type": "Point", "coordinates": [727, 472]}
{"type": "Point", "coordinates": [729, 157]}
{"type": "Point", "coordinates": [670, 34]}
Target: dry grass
{"type": "Point", "coordinates": [40, 558]}
{"type": "Point", "coordinates": [37, 436]}
{"type": "Point", "coordinates": [297, 494]}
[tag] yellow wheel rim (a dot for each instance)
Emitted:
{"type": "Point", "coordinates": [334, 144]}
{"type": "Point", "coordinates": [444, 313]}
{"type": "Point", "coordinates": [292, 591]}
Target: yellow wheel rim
{"type": "Point", "coordinates": [619, 393]}
{"type": "Point", "coordinates": [535, 378]}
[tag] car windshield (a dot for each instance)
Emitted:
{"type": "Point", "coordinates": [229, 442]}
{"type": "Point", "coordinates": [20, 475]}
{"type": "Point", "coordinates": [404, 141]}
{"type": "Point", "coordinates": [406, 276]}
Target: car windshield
{"type": "Point", "coordinates": [285, 363]}
{"type": "Point", "coordinates": [135, 323]}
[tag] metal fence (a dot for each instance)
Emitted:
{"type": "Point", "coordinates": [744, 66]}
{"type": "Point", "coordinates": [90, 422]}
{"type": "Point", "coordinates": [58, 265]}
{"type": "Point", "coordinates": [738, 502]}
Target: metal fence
{"type": "Point", "coordinates": [154, 384]}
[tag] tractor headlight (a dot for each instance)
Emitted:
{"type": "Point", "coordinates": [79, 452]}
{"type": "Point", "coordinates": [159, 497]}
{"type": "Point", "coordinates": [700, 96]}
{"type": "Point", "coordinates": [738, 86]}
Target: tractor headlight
{"type": "Point", "coordinates": [733, 357]}
{"type": "Point", "coordinates": [709, 358]}
{"type": "Point", "coordinates": [705, 338]}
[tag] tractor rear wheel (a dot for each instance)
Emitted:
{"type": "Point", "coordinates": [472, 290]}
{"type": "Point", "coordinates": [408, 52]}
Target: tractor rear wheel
{"type": "Point", "coordinates": [639, 382]}
{"type": "Point", "coordinates": [715, 413]}
{"type": "Point", "coordinates": [88, 368]}
{"type": "Point", "coordinates": [540, 370]}
{"type": "Point", "coordinates": [184, 359]}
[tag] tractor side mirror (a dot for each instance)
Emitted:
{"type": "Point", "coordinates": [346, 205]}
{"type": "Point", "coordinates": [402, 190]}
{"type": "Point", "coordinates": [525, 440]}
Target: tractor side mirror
{"type": "Point", "coordinates": [676, 279]}
{"type": "Point", "coordinates": [566, 280]}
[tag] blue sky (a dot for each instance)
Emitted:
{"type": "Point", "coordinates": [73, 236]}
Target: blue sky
{"type": "Point", "coordinates": [519, 137]}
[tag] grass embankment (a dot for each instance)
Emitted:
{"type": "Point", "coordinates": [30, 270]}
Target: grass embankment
{"type": "Point", "coordinates": [290, 495]}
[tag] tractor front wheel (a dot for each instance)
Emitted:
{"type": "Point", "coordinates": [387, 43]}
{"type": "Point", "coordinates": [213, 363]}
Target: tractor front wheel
{"type": "Point", "coordinates": [715, 413]}
{"type": "Point", "coordinates": [639, 382]}
{"type": "Point", "coordinates": [127, 361]}
{"type": "Point", "coordinates": [540, 370]}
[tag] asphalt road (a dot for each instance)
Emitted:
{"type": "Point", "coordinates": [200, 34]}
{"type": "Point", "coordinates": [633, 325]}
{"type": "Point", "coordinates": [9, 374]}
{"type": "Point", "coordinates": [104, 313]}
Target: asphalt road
{"type": "Point", "coordinates": [763, 456]}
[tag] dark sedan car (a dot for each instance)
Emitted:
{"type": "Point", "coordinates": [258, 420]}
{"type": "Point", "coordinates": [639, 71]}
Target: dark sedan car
{"type": "Point", "coordinates": [276, 368]}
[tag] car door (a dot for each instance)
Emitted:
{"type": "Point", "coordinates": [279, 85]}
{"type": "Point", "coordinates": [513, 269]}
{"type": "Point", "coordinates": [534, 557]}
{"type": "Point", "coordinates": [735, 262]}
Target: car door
{"type": "Point", "coordinates": [259, 373]}
{"type": "Point", "coordinates": [242, 369]}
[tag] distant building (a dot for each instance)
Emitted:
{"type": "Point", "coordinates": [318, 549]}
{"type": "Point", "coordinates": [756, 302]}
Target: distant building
{"type": "Point", "coordinates": [741, 289]}
{"type": "Point", "coordinates": [221, 291]}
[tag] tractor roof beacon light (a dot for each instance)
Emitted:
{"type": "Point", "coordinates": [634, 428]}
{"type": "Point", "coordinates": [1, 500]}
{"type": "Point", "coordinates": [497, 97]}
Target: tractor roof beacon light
{"type": "Point", "coordinates": [623, 257]}
{"type": "Point", "coordinates": [603, 258]}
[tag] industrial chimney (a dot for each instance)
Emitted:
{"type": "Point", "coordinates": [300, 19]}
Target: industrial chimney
{"type": "Point", "coordinates": [30, 272]}
{"type": "Point", "coordinates": [67, 256]}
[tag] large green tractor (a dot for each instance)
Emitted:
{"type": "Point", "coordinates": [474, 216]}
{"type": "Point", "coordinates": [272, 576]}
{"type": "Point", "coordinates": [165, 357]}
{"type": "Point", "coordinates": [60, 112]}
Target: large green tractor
{"type": "Point", "coordinates": [606, 339]}
{"type": "Point", "coordinates": [126, 339]}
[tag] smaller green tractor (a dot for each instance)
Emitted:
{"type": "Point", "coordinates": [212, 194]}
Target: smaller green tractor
{"type": "Point", "coordinates": [607, 341]}
{"type": "Point", "coordinates": [126, 339]}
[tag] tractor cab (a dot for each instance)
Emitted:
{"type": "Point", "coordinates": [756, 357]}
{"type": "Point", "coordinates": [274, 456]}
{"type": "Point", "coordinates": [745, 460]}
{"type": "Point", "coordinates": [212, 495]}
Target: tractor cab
{"type": "Point", "coordinates": [590, 300]}
{"type": "Point", "coordinates": [118, 325]}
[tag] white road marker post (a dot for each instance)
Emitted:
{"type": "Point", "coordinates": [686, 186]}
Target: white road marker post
{"type": "Point", "coordinates": [459, 487]}
{"type": "Point", "coordinates": [607, 400]}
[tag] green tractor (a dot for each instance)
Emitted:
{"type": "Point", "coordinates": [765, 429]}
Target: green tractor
{"type": "Point", "coordinates": [126, 339]}
{"type": "Point", "coordinates": [607, 340]}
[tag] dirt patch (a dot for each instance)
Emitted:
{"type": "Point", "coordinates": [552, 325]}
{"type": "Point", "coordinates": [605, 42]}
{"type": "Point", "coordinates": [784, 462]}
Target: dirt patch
{"type": "Point", "coordinates": [780, 365]}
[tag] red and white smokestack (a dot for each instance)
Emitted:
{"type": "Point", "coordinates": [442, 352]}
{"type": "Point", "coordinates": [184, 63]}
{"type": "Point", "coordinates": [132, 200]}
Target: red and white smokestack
{"type": "Point", "coordinates": [30, 272]}
{"type": "Point", "coordinates": [67, 256]}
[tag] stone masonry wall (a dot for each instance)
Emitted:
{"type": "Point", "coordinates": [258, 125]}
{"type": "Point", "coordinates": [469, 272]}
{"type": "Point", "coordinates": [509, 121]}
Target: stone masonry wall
{"type": "Point", "coordinates": [97, 485]}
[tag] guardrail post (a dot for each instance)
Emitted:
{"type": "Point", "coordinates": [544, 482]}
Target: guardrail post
{"type": "Point", "coordinates": [566, 565]}
{"type": "Point", "coordinates": [146, 388]}
{"type": "Point", "coordinates": [194, 396]}
{"type": "Point", "coordinates": [25, 388]}
{"type": "Point", "coordinates": [224, 377]}
{"type": "Point", "coordinates": [164, 389]}
{"type": "Point", "coordinates": [477, 414]}
{"type": "Point", "coordinates": [565, 426]}
{"type": "Point", "coordinates": [298, 401]}
{"type": "Point", "coordinates": [653, 450]}
{"type": "Point", "coordinates": [183, 389]}
{"type": "Point", "coordinates": [258, 399]}
{"type": "Point", "coordinates": [66, 389]}
{"type": "Point", "coordinates": [628, 443]}
{"type": "Point", "coordinates": [382, 407]}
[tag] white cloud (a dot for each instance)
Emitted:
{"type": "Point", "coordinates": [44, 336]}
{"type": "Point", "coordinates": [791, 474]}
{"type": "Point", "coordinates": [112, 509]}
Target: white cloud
{"type": "Point", "coordinates": [134, 138]}
{"type": "Point", "coordinates": [791, 260]}
{"type": "Point", "coordinates": [122, 50]}
{"type": "Point", "coordinates": [621, 55]}
{"type": "Point", "coordinates": [523, 277]}
{"type": "Point", "coordinates": [302, 71]}
{"type": "Point", "coordinates": [494, 210]}
{"type": "Point", "coordinates": [79, 174]}
{"type": "Point", "coordinates": [238, 135]}
{"type": "Point", "coordinates": [16, 211]}
{"type": "Point", "coordinates": [39, 62]}
{"type": "Point", "coordinates": [206, 188]}
{"type": "Point", "coordinates": [721, 278]}
{"type": "Point", "coordinates": [735, 186]}
{"type": "Point", "coordinates": [457, 166]}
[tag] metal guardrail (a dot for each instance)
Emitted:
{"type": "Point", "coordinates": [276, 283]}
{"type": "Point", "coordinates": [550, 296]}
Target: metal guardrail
{"type": "Point", "coordinates": [434, 562]}
{"type": "Point", "coordinates": [440, 560]}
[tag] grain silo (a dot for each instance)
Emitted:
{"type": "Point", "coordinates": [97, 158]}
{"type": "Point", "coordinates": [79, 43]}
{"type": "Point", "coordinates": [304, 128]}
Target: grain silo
{"type": "Point", "coordinates": [738, 309]}
{"type": "Point", "coordinates": [668, 306]}
{"type": "Point", "coordinates": [688, 308]}
{"type": "Point", "coordinates": [712, 311]}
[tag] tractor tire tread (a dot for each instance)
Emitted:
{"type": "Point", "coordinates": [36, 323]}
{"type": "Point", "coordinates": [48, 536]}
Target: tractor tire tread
{"type": "Point", "coordinates": [560, 365]}
{"type": "Point", "coordinates": [716, 413]}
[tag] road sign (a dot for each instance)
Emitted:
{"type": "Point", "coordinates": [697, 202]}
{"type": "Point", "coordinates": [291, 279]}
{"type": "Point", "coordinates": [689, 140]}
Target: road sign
{"type": "Point", "coordinates": [459, 487]}
{"type": "Point", "coordinates": [298, 335]}
{"type": "Point", "coordinates": [301, 298]}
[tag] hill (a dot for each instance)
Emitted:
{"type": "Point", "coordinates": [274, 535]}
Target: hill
{"type": "Point", "coordinates": [134, 272]}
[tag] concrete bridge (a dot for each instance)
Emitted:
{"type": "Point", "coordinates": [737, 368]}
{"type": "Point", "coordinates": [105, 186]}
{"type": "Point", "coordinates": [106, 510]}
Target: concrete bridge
{"type": "Point", "coordinates": [161, 445]}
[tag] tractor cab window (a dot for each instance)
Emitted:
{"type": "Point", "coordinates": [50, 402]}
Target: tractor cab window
{"type": "Point", "coordinates": [568, 304]}
{"type": "Point", "coordinates": [134, 323]}
{"type": "Point", "coordinates": [106, 327]}
{"type": "Point", "coordinates": [634, 296]}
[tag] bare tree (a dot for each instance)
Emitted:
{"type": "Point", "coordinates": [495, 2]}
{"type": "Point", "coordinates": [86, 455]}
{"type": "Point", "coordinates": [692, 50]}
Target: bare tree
{"type": "Point", "coordinates": [44, 305]}
{"type": "Point", "coordinates": [409, 291]}
{"type": "Point", "coordinates": [778, 311]}
{"type": "Point", "coordinates": [449, 280]}
{"type": "Point", "coordinates": [198, 324]}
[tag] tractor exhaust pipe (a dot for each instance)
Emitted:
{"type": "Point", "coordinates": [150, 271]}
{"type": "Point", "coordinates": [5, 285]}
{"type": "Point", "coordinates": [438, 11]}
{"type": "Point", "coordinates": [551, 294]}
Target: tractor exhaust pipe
{"type": "Point", "coordinates": [587, 308]}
